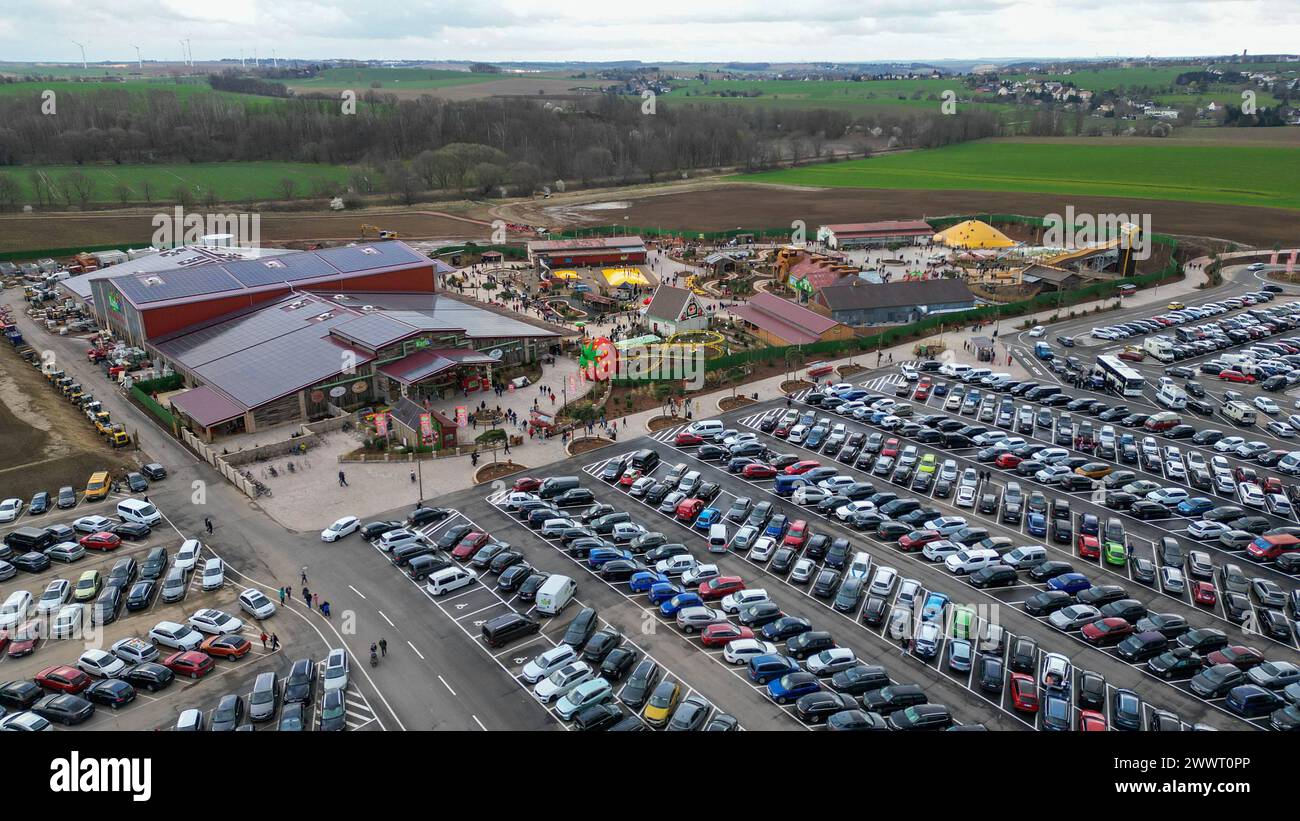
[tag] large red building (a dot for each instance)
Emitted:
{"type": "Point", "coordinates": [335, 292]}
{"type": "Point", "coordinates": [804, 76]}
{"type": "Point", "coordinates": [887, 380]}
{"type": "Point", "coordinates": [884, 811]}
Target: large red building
{"type": "Point", "coordinates": [577, 253]}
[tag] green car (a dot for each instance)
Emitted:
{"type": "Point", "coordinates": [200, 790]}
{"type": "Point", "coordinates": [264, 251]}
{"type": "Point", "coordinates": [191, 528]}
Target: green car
{"type": "Point", "coordinates": [927, 463]}
{"type": "Point", "coordinates": [963, 623]}
{"type": "Point", "coordinates": [1115, 554]}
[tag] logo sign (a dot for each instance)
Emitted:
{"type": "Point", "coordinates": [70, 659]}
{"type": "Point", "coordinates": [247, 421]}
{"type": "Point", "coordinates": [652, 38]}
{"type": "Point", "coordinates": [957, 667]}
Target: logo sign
{"type": "Point", "coordinates": [426, 427]}
{"type": "Point", "coordinates": [113, 303]}
{"type": "Point", "coordinates": [423, 343]}
{"type": "Point", "coordinates": [317, 396]}
{"type": "Point", "coordinates": [462, 416]}
{"type": "Point", "coordinates": [338, 391]}
{"type": "Point", "coordinates": [496, 353]}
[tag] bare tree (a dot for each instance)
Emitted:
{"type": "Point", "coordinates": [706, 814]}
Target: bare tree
{"type": "Point", "coordinates": [10, 191]}
{"type": "Point", "coordinates": [286, 188]}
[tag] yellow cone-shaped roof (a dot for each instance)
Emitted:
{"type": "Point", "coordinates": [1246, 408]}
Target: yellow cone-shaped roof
{"type": "Point", "coordinates": [973, 234]}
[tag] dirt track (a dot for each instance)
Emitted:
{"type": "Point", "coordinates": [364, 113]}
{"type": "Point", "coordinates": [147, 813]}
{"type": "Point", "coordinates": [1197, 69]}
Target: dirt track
{"type": "Point", "coordinates": [727, 206]}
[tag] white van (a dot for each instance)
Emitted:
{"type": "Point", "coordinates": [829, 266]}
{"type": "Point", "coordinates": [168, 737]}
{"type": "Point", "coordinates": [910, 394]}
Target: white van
{"type": "Point", "coordinates": [718, 538]}
{"type": "Point", "coordinates": [975, 374]}
{"type": "Point", "coordinates": [706, 427]}
{"type": "Point", "coordinates": [16, 609]}
{"type": "Point", "coordinates": [555, 594]}
{"type": "Point", "coordinates": [1289, 464]}
{"type": "Point", "coordinates": [1026, 556]}
{"type": "Point", "coordinates": [138, 511]}
{"type": "Point", "coordinates": [1172, 396]}
{"type": "Point", "coordinates": [968, 561]}
{"type": "Point", "coordinates": [955, 369]}
{"type": "Point", "coordinates": [449, 579]}
{"type": "Point", "coordinates": [520, 382]}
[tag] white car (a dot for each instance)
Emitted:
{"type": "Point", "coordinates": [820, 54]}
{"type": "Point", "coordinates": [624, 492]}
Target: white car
{"type": "Point", "coordinates": [836, 483]}
{"type": "Point", "coordinates": [340, 528]}
{"type": "Point", "coordinates": [548, 662]}
{"type": "Point", "coordinates": [1057, 671]}
{"type": "Point", "coordinates": [55, 596]}
{"type": "Point", "coordinates": [908, 591]}
{"type": "Point", "coordinates": [762, 550]}
{"type": "Point", "coordinates": [732, 604]}
{"type": "Point", "coordinates": [24, 722]}
{"type": "Point", "coordinates": [1251, 494]}
{"type": "Point", "coordinates": [214, 574]}
{"type": "Point", "coordinates": [215, 622]}
{"type": "Point", "coordinates": [135, 651]}
{"type": "Point", "coordinates": [1267, 405]}
{"type": "Point", "coordinates": [741, 651]}
{"type": "Point", "coordinates": [677, 565]}
{"type": "Point", "coordinates": [829, 662]}
{"type": "Point", "coordinates": [910, 373]}
{"type": "Point", "coordinates": [9, 509]}
{"type": "Point", "coordinates": [946, 525]}
{"type": "Point", "coordinates": [336, 670]}
{"type": "Point", "coordinates": [1171, 579]}
{"type": "Point", "coordinates": [188, 554]}
{"type": "Point", "coordinates": [176, 636]}
{"type": "Point", "coordinates": [1168, 496]}
{"type": "Point", "coordinates": [845, 512]}
{"type": "Point", "coordinates": [939, 550]}
{"type": "Point", "coordinates": [808, 495]}
{"type": "Point", "coordinates": [256, 604]}
{"type": "Point", "coordinates": [1037, 331]}
{"type": "Point", "coordinates": [101, 663]}
{"type": "Point", "coordinates": [966, 496]}
{"type": "Point", "coordinates": [1228, 443]}
{"type": "Point", "coordinates": [699, 573]}
{"type": "Point", "coordinates": [67, 622]}
{"type": "Point", "coordinates": [562, 681]}
{"type": "Point", "coordinates": [803, 570]}
{"type": "Point", "coordinates": [882, 584]}
{"type": "Point", "coordinates": [92, 524]}
{"type": "Point", "coordinates": [1203, 530]}
{"type": "Point", "coordinates": [691, 619]}
{"type": "Point", "coordinates": [517, 498]}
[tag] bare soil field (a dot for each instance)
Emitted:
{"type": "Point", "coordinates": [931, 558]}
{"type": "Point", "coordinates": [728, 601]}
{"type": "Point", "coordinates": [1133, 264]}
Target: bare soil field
{"type": "Point", "coordinates": [44, 442]}
{"type": "Point", "coordinates": [726, 206]}
{"type": "Point", "coordinates": [22, 232]}
{"type": "Point", "coordinates": [533, 87]}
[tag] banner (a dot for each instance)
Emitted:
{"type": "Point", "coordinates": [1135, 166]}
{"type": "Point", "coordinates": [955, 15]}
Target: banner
{"type": "Point", "coordinates": [426, 428]}
{"type": "Point", "coordinates": [462, 416]}
{"type": "Point", "coordinates": [381, 424]}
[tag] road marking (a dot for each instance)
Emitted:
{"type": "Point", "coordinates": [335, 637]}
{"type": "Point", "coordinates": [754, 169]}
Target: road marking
{"type": "Point", "coordinates": [385, 618]}
{"type": "Point", "coordinates": [421, 655]}
{"type": "Point", "coordinates": [358, 592]}
{"type": "Point", "coordinates": [440, 678]}
{"type": "Point", "coordinates": [479, 723]}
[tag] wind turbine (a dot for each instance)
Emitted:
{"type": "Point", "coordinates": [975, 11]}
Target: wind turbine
{"type": "Point", "coordinates": [83, 53]}
{"type": "Point", "coordinates": [189, 50]}
{"type": "Point", "coordinates": [139, 61]}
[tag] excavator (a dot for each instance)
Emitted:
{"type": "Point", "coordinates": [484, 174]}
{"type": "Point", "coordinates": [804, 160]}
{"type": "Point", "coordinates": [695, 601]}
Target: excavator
{"type": "Point", "coordinates": [378, 232]}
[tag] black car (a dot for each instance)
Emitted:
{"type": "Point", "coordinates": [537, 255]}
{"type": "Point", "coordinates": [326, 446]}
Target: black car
{"type": "Point", "coordinates": [64, 708]}
{"type": "Point", "coordinates": [131, 531]}
{"type": "Point", "coordinates": [993, 576]}
{"type": "Point", "coordinates": [1092, 690]}
{"type": "Point", "coordinates": [141, 595]}
{"type": "Point", "coordinates": [452, 535]}
{"type": "Point", "coordinates": [597, 717]}
{"type": "Point", "coordinates": [514, 576]}
{"type": "Point", "coordinates": [895, 697]}
{"type": "Point", "coordinates": [990, 674]}
{"type": "Point", "coordinates": [1043, 571]}
{"type": "Point", "coordinates": [427, 515]}
{"type": "Point", "coordinates": [32, 562]}
{"type": "Point", "coordinates": [67, 498]}
{"type": "Point", "coordinates": [814, 708]}
{"type": "Point", "coordinates": [154, 471]}
{"type": "Point", "coordinates": [1024, 655]}
{"type": "Point", "coordinates": [150, 675]}
{"type": "Point", "coordinates": [640, 683]}
{"type": "Point", "coordinates": [300, 684]}
{"type": "Point", "coordinates": [111, 692]}
{"type": "Point", "coordinates": [136, 482]}
{"type": "Point", "coordinates": [373, 530]}
{"type": "Point", "coordinates": [20, 694]}
{"type": "Point", "coordinates": [1176, 663]}
{"type": "Point", "coordinates": [581, 628]}
{"type": "Point", "coordinates": [228, 714]}
{"type": "Point", "coordinates": [40, 504]}
{"type": "Point", "coordinates": [618, 662]}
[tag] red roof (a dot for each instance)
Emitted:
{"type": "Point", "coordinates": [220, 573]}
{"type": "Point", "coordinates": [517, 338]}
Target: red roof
{"type": "Point", "coordinates": [784, 319]}
{"type": "Point", "coordinates": [207, 406]}
{"type": "Point", "coordinates": [848, 229]}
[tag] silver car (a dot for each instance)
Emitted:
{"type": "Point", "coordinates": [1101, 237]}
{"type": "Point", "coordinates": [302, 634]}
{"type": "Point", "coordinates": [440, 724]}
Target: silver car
{"type": "Point", "coordinates": [691, 619]}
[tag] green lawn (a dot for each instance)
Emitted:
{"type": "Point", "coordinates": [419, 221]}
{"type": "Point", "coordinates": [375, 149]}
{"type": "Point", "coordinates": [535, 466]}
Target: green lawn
{"type": "Point", "coordinates": [417, 78]}
{"type": "Point", "coordinates": [1231, 175]}
{"type": "Point", "coordinates": [233, 182]}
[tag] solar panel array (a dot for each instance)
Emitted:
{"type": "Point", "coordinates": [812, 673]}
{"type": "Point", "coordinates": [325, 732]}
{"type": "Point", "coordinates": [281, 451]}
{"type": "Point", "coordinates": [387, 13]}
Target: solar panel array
{"type": "Point", "coordinates": [351, 259]}
{"type": "Point", "coordinates": [280, 366]}
{"type": "Point", "coordinates": [178, 284]}
{"type": "Point", "coordinates": [374, 330]}
{"type": "Point", "coordinates": [254, 273]}
{"type": "Point", "coordinates": [200, 347]}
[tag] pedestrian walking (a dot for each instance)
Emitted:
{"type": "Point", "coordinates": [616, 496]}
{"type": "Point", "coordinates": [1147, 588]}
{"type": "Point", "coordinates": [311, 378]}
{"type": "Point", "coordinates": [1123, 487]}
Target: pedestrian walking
{"type": "Point", "coordinates": [473, 459]}
{"type": "Point", "coordinates": [275, 642]}
{"type": "Point", "coordinates": [306, 596]}
{"type": "Point", "coordinates": [383, 647]}
{"type": "Point", "coordinates": [207, 525]}
{"type": "Point", "coordinates": [343, 479]}
{"type": "Point", "coordinates": [315, 599]}
{"type": "Point", "coordinates": [304, 574]}
{"type": "Point", "coordinates": [264, 638]}
{"type": "Point", "coordinates": [325, 609]}
{"type": "Point", "coordinates": [282, 597]}
{"type": "Point", "coordinates": [288, 592]}
{"type": "Point", "coordinates": [412, 477]}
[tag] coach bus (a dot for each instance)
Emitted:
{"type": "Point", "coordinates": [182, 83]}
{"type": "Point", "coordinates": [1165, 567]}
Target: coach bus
{"type": "Point", "coordinates": [1119, 377]}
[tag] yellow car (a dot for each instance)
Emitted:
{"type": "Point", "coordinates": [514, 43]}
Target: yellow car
{"type": "Point", "coordinates": [1094, 470]}
{"type": "Point", "coordinates": [97, 487]}
{"type": "Point", "coordinates": [659, 707]}
{"type": "Point", "coordinates": [927, 464]}
{"type": "Point", "coordinates": [1176, 306]}
{"type": "Point", "coordinates": [88, 586]}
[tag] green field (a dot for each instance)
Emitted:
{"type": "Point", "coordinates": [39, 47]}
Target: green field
{"type": "Point", "coordinates": [918, 93]}
{"type": "Point", "coordinates": [415, 78]}
{"type": "Point", "coordinates": [186, 90]}
{"type": "Point", "coordinates": [1230, 175]}
{"type": "Point", "coordinates": [232, 182]}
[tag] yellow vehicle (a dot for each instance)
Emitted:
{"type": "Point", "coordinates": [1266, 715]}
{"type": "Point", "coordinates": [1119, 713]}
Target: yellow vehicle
{"type": "Point", "coordinates": [54, 376]}
{"type": "Point", "coordinates": [88, 586]}
{"type": "Point", "coordinates": [118, 437]}
{"type": "Point", "coordinates": [102, 424]}
{"type": "Point", "coordinates": [1176, 306]}
{"type": "Point", "coordinates": [75, 395]}
{"type": "Point", "coordinates": [663, 700]}
{"type": "Point", "coordinates": [62, 385]}
{"type": "Point", "coordinates": [379, 232]}
{"type": "Point", "coordinates": [97, 487]}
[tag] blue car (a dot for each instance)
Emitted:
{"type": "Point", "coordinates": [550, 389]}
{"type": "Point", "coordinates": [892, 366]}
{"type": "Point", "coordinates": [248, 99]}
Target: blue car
{"type": "Point", "coordinates": [1069, 582]}
{"type": "Point", "coordinates": [1036, 524]}
{"type": "Point", "coordinates": [940, 389]}
{"type": "Point", "coordinates": [791, 686]}
{"type": "Point", "coordinates": [770, 667]}
{"type": "Point", "coordinates": [785, 484]}
{"type": "Point", "coordinates": [934, 605]}
{"type": "Point", "coordinates": [681, 600]}
{"type": "Point", "coordinates": [852, 394]}
{"type": "Point", "coordinates": [1195, 506]}
{"type": "Point", "coordinates": [597, 558]}
{"type": "Point", "coordinates": [643, 580]}
{"type": "Point", "coordinates": [776, 527]}
{"type": "Point", "coordinates": [661, 592]}
{"type": "Point", "coordinates": [708, 517]}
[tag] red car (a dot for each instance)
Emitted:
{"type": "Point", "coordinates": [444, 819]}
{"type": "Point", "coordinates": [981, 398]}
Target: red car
{"type": "Point", "coordinates": [629, 476]}
{"type": "Point", "coordinates": [922, 392]}
{"type": "Point", "coordinates": [1237, 376]}
{"type": "Point", "coordinates": [63, 678]}
{"type": "Point", "coordinates": [802, 467]}
{"type": "Point", "coordinates": [1132, 356]}
{"type": "Point", "coordinates": [1237, 654]}
{"type": "Point", "coordinates": [797, 534]}
{"type": "Point", "coordinates": [469, 545]}
{"type": "Point", "coordinates": [230, 647]}
{"type": "Point", "coordinates": [719, 586]}
{"type": "Point", "coordinates": [1024, 693]}
{"type": "Point", "coordinates": [918, 539]}
{"type": "Point", "coordinates": [757, 470]}
{"type": "Point", "coordinates": [190, 663]}
{"type": "Point", "coordinates": [818, 369]}
{"type": "Point", "coordinates": [527, 484]}
{"type": "Point", "coordinates": [688, 509]}
{"type": "Point", "coordinates": [24, 642]}
{"type": "Point", "coordinates": [687, 438]}
{"type": "Point", "coordinates": [102, 540]}
{"type": "Point", "coordinates": [1105, 632]}
{"type": "Point", "coordinates": [1204, 593]}
{"type": "Point", "coordinates": [718, 635]}
{"type": "Point", "coordinates": [1091, 721]}
{"type": "Point", "coordinates": [1089, 547]}
{"type": "Point", "coordinates": [1272, 484]}
{"type": "Point", "coordinates": [1007, 460]}
{"type": "Point", "coordinates": [890, 448]}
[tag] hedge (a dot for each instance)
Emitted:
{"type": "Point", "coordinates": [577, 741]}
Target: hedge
{"type": "Point", "coordinates": [153, 407]}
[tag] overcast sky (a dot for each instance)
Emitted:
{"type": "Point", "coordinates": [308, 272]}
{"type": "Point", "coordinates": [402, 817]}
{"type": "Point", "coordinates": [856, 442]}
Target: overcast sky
{"type": "Point", "coordinates": [648, 30]}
